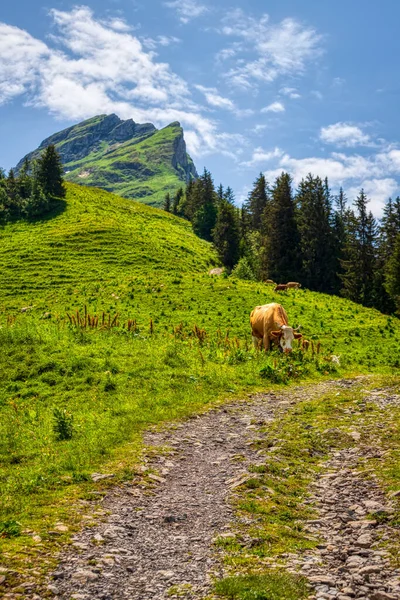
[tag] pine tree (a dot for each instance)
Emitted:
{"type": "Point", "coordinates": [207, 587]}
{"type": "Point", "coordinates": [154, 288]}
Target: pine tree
{"type": "Point", "coordinates": [4, 211]}
{"type": "Point", "coordinates": [14, 201]}
{"type": "Point", "coordinates": [50, 173]}
{"type": "Point", "coordinates": [257, 201]}
{"type": "Point", "coordinates": [316, 234]}
{"type": "Point", "coordinates": [167, 202]}
{"type": "Point", "coordinates": [360, 254]}
{"type": "Point", "coordinates": [392, 283]}
{"type": "Point", "coordinates": [220, 193]}
{"type": "Point", "coordinates": [339, 235]}
{"type": "Point", "coordinates": [176, 204]}
{"type": "Point", "coordinates": [204, 218]}
{"type": "Point", "coordinates": [226, 234]}
{"type": "Point", "coordinates": [38, 203]}
{"type": "Point", "coordinates": [229, 196]}
{"type": "Point", "coordinates": [24, 181]}
{"type": "Point", "coordinates": [388, 232]}
{"type": "Point", "coordinates": [282, 260]}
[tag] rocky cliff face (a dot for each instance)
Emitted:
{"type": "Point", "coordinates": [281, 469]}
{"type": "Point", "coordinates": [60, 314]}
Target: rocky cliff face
{"type": "Point", "coordinates": [131, 159]}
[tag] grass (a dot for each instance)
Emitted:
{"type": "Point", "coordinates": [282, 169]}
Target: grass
{"type": "Point", "coordinates": [275, 585]}
{"type": "Point", "coordinates": [75, 399]}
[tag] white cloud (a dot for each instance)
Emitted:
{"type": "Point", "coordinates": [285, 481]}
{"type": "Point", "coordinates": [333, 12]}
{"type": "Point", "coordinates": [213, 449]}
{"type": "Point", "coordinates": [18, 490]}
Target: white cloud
{"type": "Point", "coordinates": [278, 49]}
{"type": "Point", "coordinates": [160, 40]}
{"type": "Point", "coordinates": [118, 24]}
{"type": "Point", "coordinates": [377, 190]}
{"type": "Point", "coordinates": [275, 107]}
{"type": "Point", "coordinates": [98, 67]}
{"type": "Point", "coordinates": [375, 173]}
{"type": "Point", "coordinates": [19, 55]}
{"type": "Point", "coordinates": [338, 82]}
{"type": "Point", "coordinates": [290, 92]}
{"type": "Point", "coordinates": [262, 156]}
{"type": "Point", "coordinates": [344, 134]}
{"type": "Point", "coordinates": [317, 94]}
{"type": "Point", "coordinates": [187, 9]}
{"type": "Point", "coordinates": [215, 99]}
{"type": "Point", "coordinates": [259, 128]}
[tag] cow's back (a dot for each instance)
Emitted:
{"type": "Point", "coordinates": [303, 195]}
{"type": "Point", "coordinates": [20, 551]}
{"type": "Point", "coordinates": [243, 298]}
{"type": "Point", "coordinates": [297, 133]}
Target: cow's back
{"type": "Point", "coordinates": [266, 318]}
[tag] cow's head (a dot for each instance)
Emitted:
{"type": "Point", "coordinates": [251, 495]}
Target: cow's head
{"type": "Point", "coordinates": [285, 337]}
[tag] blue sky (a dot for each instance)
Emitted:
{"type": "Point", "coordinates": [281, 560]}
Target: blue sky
{"type": "Point", "coordinates": [258, 86]}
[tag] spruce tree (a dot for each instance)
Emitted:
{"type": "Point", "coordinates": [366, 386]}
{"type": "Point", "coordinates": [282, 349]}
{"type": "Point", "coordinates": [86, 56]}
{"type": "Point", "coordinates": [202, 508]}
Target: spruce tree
{"type": "Point", "coordinates": [220, 193]}
{"type": "Point", "coordinates": [176, 204]}
{"type": "Point", "coordinates": [282, 241]}
{"type": "Point", "coordinates": [392, 282]}
{"type": "Point", "coordinates": [388, 232]}
{"type": "Point", "coordinates": [38, 203]}
{"type": "Point", "coordinates": [229, 196]}
{"type": "Point", "coordinates": [339, 235]}
{"type": "Point", "coordinates": [167, 202]}
{"type": "Point", "coordinates": [359, 261]}
{"type": "Point", "coordinates": [204, 218]}
{"type": "Point", "coordinates": [316, 234]}
{"type": "Point", "coordinates": [226, 234]}
{"type": "Point", "coordinates": [50, 173]}
{"type": "Point", "coordinates": [24, 181]}
{"type": "Point", "coordinates": [257, 201]}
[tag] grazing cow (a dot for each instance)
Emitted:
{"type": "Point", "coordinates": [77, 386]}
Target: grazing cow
{"type": "Point", "coordinates": [293, 285]}
{"type": "Point", "coordinates": [281, 287]}
{"type": "Point", "coordinates": [270, 322]}
{"type": "Point", "coordinates": [269, 282]}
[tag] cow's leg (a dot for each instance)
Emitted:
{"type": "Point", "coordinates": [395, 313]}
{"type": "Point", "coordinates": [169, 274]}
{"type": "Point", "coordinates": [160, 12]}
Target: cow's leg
{"type": "Point", "coordinates": [266, 342]}
{"type": "Point", "coordinates": [256, 342]}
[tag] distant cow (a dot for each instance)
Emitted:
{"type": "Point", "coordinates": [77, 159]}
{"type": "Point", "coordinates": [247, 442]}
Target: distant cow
{"type": "Point", "coordinates": [269, 282]}
{"type": "Point", "coordinates": [26, 309]}
{"type": "Point", "coordinates": [281, 287]}
{"type": "Point", "coordinates": [293, 285]}
{"type": "Point", "coordinates": [269, 323]}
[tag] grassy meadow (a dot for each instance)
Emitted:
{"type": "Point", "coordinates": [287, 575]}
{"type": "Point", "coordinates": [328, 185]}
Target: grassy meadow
{"type": "Point", "coordinates": [76, 392]}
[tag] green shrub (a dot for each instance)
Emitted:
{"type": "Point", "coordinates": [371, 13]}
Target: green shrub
{"type": "Point", "coordinates": [63, 425]}
{"type": "Point", "coordinates": [243, 270]}
{"type": "Point", "coordinates": [10, 529]}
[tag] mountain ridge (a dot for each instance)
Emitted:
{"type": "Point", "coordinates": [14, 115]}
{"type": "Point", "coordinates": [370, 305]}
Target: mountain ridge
{"type": "Point", "coordinates": [133, 160]}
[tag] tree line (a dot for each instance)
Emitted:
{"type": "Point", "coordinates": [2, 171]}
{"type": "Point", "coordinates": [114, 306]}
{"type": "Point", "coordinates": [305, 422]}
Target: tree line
{"type": "Point", "coordinates": [307, 235]}
{"type": "Point", "coordinates": [32, 192]}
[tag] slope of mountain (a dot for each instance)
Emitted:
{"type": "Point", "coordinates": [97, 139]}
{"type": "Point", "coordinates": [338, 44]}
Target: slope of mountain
{"type": "Point", "coordinates": [101, 246]}
{"type": "Point", "coordinates": [133, 160]}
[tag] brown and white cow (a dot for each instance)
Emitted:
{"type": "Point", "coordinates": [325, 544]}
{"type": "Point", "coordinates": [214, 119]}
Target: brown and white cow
{"type": "Point", "coordinates": [269, 323]}
{"type": "Point", "coordinates": [293, 285]}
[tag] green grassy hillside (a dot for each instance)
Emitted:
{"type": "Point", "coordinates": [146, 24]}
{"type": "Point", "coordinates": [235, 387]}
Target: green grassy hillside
{"type": "Point", "coordinates": [132, 160]}
{"type": "Point", "coordinates": [74, 398]}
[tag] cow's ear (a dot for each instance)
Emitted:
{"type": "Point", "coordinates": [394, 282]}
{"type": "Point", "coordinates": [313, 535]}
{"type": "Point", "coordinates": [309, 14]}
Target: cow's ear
{"type": "Point", "coordinates": [276, 334]}
{"type": "Point", "coordinates": [297, 336]}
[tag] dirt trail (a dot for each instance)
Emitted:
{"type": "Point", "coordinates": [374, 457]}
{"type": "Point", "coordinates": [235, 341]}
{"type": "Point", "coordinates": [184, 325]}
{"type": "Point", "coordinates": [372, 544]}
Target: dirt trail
{"type": "Point", "coordinates": [151, 543]}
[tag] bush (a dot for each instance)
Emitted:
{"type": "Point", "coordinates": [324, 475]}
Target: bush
{"type": "Point", "coordinates": [63, 426]}
{"type": "Point", "coordinates": [10, 529]}
{"type": "Point", "coordinates": [243, 270]}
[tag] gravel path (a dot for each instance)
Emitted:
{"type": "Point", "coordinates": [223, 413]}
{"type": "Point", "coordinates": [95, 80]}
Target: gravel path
{"type": "Point", "coordinates": [151, 543]}
{"type": "Point", "coordinates": [349, 562]}
{"type": "Point", "coordinates": [156, 543]}
{"type": "Point", "coordinates": [352, 562]}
